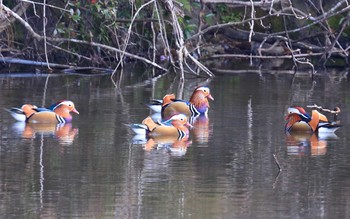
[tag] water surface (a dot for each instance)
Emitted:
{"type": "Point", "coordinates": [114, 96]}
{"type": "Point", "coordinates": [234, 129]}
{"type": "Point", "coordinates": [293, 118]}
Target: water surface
{"type": "Point", "coordinates": [94, 168]}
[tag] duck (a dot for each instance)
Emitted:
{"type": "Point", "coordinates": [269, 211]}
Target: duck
{"type": "Point", "coordinates": [197, 105]}
{"type": "Point", "coordinates": [300, 121]}
{"type": "Point", "coordinates": [58, 113]}
{"type": "Point", "coordinates": [157, 104]}
{"type": "Point", "coordinates": [176, 126]}
{"type": "Point", "coordinates": [19, 115]}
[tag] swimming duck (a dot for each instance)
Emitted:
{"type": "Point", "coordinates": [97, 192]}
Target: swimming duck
{"type": "Point", "coordinates": [175, 127]}
{"type": "Point", "coordinates": [157, 104]}
{"type": "Point", "coordinates": [197, 105]}
{"type": "Point", "coordinates": [19, 115]}
{"type": "Point", "coordinates": [299, 120]}
{"type": "Point", "coordinates": [57, 113]}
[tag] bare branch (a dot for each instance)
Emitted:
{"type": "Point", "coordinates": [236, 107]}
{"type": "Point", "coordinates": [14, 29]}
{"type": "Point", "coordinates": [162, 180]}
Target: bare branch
{"type": "Point", "coordinates": [251, 23]}
{"type": "Point", "coordinates": [264, 4]}
{"type": "Point", "coordinates": [335, 111]}
{"type": "Point", "coordinates": [23, 22]}
{"type": "Point", "coordinates": [265, 56]}
{"type": "Point", "coordinates": [6, 21]}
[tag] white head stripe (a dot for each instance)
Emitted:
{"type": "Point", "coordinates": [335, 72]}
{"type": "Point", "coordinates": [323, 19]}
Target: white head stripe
{"type": "Point", "coordinates": [293, 110]}
{"type": "Point", "coordinates": [66, 102]}
{"type": "Point", "coordinates": [203, 89]}
{"type": "Point", "coordinates": [178, 117]}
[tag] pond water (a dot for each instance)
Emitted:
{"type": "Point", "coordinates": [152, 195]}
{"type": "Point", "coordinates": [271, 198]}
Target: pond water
{"type": "Point", "coordinates": [95, 168]}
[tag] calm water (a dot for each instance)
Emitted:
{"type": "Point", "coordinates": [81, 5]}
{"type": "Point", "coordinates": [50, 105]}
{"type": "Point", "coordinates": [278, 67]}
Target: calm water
{"type": "Point", "coordinates": [95, 168]}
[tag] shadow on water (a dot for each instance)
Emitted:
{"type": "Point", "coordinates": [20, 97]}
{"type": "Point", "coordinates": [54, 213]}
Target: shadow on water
{"type": "Point", "coordinates": [91, 168]}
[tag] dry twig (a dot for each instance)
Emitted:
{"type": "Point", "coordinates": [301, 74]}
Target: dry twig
{"type": "Point", "coordinates": [335, 111]}
{"type": "Point", "coordinates": [277, 163]}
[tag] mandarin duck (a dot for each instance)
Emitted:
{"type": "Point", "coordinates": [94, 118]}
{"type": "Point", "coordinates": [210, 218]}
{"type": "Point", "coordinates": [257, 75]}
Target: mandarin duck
{"type": "Point", "coordinates": [57, 113]}
{"type": "Point", "coordinates": [173, 127]}
{"type": "Point", "coordinates": [19, 115]}
{"type": "Point", "coordinates": [197, 105]}
{"type": "Point", "coordinates": [157, 104]}
{"type": "Point", "coordinates": [300, 121]}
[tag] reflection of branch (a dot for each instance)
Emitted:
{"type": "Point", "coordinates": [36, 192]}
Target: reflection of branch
{"type": "Point", "coordinates": [335, 111]}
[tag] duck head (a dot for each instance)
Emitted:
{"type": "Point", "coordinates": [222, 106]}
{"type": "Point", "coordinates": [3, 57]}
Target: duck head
{"type": "Point", "coordinates": [180, 122]}
{"type": "Point", "coordinates": [64, 108]}
{"type": "Point", "coordinates": [200, 98]}
{"type": "Point", "coordinates": [294, 111]}
{"type": "Point", "coordinates": [298, 119]}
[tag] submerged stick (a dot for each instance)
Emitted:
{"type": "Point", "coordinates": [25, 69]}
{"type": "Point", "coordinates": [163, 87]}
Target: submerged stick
{"type": "Point", "coordinates": [277, 163]}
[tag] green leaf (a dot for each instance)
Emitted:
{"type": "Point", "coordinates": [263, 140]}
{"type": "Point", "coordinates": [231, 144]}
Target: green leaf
{"type": "Point", "coordinates": [209, 15]}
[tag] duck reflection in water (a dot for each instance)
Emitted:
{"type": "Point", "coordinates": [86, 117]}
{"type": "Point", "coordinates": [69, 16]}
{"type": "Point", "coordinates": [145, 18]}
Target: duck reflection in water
{"type": "Point", "coordinates": [302, 144]}
{"type": "Point", "coordinates": [64, 133]}
{"type": "Point", "coordinates": [201, 130]}
{"type": "Point", "coordinates": [176, 147]}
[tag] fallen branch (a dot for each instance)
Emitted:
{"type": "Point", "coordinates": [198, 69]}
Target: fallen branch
{"type": "Point", "coordinates": [335, 111]}
{"type": "Point", "coordinates": [108, 48]}
{"type": "Point", "coordinates": [7, 60]}
{"type": "Point", "coordinates": [265, 57]}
